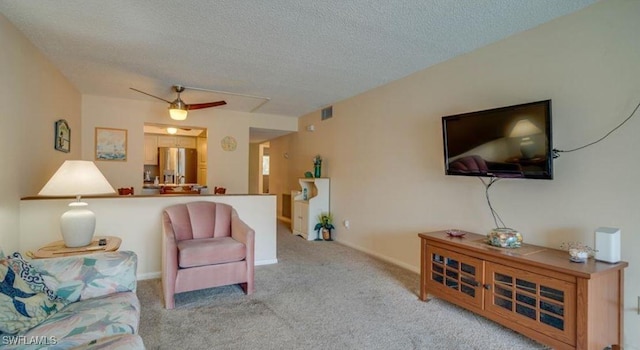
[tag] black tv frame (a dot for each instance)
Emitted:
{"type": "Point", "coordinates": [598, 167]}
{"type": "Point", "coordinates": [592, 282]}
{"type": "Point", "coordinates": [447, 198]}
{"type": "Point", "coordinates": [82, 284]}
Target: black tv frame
{"type": "Point", "coordinates": [548, 163]}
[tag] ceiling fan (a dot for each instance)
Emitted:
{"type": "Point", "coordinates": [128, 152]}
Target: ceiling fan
{"type": "Point", "coordinates": [177, 108]}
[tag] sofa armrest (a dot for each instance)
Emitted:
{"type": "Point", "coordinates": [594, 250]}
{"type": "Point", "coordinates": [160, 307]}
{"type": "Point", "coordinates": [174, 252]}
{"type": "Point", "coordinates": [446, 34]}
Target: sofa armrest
{"type": "Point", "coordinates": [241, 232]}
{"type": "Point", "coordinates": [88, 276]}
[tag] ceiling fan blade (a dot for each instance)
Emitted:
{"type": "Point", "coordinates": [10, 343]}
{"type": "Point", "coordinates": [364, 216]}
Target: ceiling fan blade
{"type": "Point", "coordinates": [142, 92]}
{"type": "Point", "coordinates": [205, 105]}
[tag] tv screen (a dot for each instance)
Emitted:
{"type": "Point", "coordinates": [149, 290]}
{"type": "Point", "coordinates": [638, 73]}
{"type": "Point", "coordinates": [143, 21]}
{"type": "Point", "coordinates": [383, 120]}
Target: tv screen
{"type": "Point", "coordinates": [513, 141]}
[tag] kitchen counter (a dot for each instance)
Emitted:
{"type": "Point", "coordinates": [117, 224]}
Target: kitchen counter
{"type": "Point", "coordinates": [164, 189]}
{"type": "Point", "coordinates": [152, 185]}
{"type": "Point", "coordinates": [173, 194]}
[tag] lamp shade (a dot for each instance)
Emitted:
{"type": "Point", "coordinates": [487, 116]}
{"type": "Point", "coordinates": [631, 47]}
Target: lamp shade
{"type": "Point", "coordinates": [77, 178]}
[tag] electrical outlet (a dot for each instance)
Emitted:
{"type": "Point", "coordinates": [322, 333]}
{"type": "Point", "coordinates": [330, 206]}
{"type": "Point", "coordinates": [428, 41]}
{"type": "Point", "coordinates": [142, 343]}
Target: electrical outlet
{"type": "Point", "coordinates": [347, 224]}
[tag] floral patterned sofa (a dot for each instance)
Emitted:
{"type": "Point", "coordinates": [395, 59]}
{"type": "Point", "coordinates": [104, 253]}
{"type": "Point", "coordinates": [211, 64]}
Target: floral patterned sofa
{"type": "Point", "coordinates": [84, 302]}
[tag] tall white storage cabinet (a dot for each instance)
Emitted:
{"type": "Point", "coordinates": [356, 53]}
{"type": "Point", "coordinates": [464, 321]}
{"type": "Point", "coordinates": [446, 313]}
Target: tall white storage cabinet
{"type": "Point", "coordinates": [307, 204]}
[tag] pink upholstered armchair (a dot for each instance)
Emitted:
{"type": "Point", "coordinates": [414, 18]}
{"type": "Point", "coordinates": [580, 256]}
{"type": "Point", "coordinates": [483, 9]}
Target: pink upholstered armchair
{"type": "Point", "coordinates": [205, 244]}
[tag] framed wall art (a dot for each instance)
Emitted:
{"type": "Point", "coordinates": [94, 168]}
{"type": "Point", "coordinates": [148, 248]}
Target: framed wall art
{"type": "Point", "coordinates": [111, 144]}
{"type": "Point", "coordinates": [62, 139]}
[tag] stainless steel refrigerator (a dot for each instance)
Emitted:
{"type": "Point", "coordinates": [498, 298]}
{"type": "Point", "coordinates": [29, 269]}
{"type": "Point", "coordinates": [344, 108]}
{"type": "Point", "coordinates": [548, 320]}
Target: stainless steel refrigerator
{"type": "Point", "coordinates": [178, 165]}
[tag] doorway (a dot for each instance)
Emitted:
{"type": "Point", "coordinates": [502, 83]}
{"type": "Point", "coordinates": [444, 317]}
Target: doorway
{"type": "Point", "coordinates": [263, 168]}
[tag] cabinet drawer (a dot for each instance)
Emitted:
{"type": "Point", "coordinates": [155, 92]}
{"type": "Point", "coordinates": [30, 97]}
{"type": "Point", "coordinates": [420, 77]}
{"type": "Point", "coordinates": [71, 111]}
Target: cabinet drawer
{"type": "Point", "coordinates": [166, 141]}
{"type": "Point", "coordinates": [185, 142]}
{"type": "Point", "coordinates": [538, 302]}
{"type": "Point", "coordinates": [454, 276]}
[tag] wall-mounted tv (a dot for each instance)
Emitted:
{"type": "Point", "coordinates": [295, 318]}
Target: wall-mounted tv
{"type": "Point", "coordinates": [513, 141]}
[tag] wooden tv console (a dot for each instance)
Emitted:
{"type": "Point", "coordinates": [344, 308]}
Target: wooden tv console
{"type": "Point", "coordinates": [533, 290]}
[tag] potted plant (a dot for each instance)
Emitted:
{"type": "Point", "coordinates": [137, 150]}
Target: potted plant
{"type": "Point", "coordinates": [325, 224]}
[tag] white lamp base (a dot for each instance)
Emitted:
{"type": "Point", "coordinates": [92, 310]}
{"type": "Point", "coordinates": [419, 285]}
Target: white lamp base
{"type": "Point", "coordinates": [77, 225]}
{"type": "Point", "coordinates": [527, 148]}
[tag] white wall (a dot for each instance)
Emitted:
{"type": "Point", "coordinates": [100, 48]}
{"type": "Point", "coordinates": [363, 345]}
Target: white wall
{"type": "Point", "coordinates": [384, 151]}
{"type": "Point", "coordinates": [225, 169]}
{"type": "Point", "coordinates": [137, 221]}
{"type": "Point", "coordinates": [33, 95]}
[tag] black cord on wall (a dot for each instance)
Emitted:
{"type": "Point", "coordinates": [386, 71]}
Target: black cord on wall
{"type": "Point", "coordinates": [494, 213]}
{"type": "Point", "coordinates": [556, 152]}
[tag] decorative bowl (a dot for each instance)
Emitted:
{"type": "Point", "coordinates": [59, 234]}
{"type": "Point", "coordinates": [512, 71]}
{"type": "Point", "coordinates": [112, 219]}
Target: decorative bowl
{"type": "Point", "coordinates": [504, 238]}
{"type": "Point", "coordinates": [455, 233]}
{"type": "Point", "coordinates": [578, 255]}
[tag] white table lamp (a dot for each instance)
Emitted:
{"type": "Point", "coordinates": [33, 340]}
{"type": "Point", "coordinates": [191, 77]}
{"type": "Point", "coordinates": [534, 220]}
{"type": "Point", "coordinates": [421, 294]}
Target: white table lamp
{"type": "Point", "coordinates": [77, 178]}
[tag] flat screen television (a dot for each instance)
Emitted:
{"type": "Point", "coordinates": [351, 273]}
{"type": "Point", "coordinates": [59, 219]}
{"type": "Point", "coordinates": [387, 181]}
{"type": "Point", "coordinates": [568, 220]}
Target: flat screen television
{"type": "Point", "coordinates": [513, 141]}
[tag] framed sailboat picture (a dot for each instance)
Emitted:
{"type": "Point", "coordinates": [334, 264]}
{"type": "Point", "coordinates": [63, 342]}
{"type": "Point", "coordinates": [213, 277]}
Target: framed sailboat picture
{"type": "Point", "coordinates": [111, 144]}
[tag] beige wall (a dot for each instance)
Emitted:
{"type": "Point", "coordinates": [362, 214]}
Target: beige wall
{"type": "Point", "coordinates": [33, 95]}
{"type": "Point", "coordinates": [385, 157]}
{"type": "Point", "coordinates": [225, 169]}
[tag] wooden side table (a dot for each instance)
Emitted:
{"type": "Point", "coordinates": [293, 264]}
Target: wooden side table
{"type": "Point", "coordinates": [58, 249]}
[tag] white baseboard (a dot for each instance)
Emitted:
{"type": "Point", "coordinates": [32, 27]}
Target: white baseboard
{"type": "Point", "coordinates": [266, 262]}
{"type": "Point", "coordinates": [148, 276]}
{"type": "Point", "coordinates": [152, 275]}
{"type": "Point", "coordinates": [383, 257]}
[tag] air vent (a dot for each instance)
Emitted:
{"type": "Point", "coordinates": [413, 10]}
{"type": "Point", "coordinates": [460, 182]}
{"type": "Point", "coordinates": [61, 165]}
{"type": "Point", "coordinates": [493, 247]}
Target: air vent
{"type": "Point", "coordinates": [327, 112]}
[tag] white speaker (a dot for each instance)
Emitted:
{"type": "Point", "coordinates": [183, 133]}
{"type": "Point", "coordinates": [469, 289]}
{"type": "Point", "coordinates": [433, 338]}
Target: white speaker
{"type": "Point", "coordinates": [608, 244]}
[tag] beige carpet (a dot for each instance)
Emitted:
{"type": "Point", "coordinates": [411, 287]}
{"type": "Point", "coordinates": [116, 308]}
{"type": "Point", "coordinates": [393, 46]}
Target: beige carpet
{"type": "Point", "coordinates": [321, 295]}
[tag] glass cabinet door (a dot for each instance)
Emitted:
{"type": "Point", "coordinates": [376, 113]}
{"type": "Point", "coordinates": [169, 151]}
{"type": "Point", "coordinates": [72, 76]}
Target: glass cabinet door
{"type": "Point", "coordinates": [458, 276]}
{"type": "Point", "coordinates": [540, 302]}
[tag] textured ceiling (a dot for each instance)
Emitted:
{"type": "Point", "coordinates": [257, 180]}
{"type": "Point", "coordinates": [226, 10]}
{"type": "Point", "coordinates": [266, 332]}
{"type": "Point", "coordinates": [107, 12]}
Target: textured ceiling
{"type": "Point", "coordinates": [299, 55]}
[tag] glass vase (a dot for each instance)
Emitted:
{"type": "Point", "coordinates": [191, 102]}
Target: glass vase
{"type": "Point", "coordinates": [317, 170]}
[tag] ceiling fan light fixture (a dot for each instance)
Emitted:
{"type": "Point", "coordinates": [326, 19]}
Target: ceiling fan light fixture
{"type": "Point", "coordinates": [178, 114]}
{"type": "Point", "coordinates": [178, 109]}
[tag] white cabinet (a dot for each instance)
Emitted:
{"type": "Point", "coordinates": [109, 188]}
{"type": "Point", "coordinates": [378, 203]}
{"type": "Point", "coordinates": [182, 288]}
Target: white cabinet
{"type": "Point", "coordinates": [176, 141]}
{"type": "Point", "coordinates": [308, 203]}
{"type": "Point", "coordinates": [300, 219]}
{"type": "Point", "coordinates": [166, 141]}
{"type": "Point", "coordinates": [185, 142]}
{"type": "Point", "coordinates": [150, 150]}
